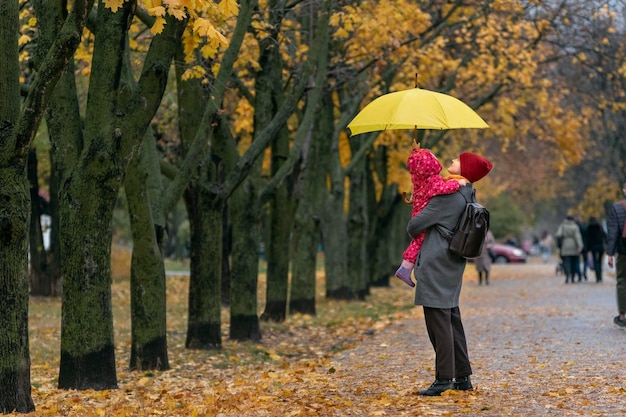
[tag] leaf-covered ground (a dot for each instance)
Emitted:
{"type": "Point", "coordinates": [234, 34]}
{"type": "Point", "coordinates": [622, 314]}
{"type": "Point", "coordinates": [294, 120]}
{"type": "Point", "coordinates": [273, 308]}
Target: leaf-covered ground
{"type": "Point", "coordinates": [538, 348]}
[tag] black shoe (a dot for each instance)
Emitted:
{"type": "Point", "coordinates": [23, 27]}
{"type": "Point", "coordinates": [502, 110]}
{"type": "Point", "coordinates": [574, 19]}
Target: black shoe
{"type": "Point", "coordinates": [619, 322]}
{"type": "Point", "coordinates": [438, 387]}
{"type": "Point", "coordinates": [463, 383]}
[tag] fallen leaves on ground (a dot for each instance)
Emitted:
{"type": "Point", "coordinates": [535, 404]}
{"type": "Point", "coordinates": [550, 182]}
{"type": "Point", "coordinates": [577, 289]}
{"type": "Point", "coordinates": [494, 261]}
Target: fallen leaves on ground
{"type": "Point", "coordinates": [534, 345]}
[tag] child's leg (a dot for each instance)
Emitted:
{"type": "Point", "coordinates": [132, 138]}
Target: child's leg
{"type": "Point", "coordinates": [408, 260]}
{"type": "Point", "coordinates": [404, 272]}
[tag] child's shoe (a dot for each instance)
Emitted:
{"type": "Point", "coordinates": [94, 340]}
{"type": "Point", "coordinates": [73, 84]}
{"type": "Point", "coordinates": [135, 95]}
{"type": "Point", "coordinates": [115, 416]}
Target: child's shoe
{"type": "Point", "coordinates": [405, 275]}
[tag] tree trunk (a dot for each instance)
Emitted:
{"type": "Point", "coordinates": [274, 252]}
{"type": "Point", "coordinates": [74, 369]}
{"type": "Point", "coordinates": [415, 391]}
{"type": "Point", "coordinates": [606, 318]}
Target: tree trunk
{"type": "Point", "coordinates": [16, 136]}
{"type": "Point", "coordinates": [87, 349]}
{"type": "Point", "coordinates": [205, 221]}
{"type": "Point", "coordinates": [205, 214]}
{"type": "Point", "coordinates": [269, 93]}
{"type": "Point", "coordinates": [244, 320]}
{"type": "Point", "coordinates": [311, 192]}
{"type": "Point", "coordinates": [115, 125]}
{"type": "Point", "coordinates": [46, 280]}
{"type": "Point", "coordinates": [334, 237]}
{"type": "Point", "coordinates": [385, 246]}
{"type": "Point", "coordinates": [226, 250]}
{"type": "Point", "coordinates": [358, 226]}
{"type": "Point", "coordinates": [14, 219]}
{"type": "Point", "coordinates": [278, 249]}
{"type": "Point", "coordinates": [63, 120]}
{"type": "Point", "coordinates": [87, 201]}
{"type": "Point", "coordinates": [333, 223]}
{"type": "Point", "coordinates": [244, 204]}
{"type": "Point", "coordinates": [147, 277]}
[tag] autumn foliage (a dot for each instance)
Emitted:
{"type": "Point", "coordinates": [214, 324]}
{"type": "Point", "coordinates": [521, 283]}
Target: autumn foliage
{"type": "Point", "coordinates": [532, 340]}
{"type": "Point", "coordinates": [551, 92]}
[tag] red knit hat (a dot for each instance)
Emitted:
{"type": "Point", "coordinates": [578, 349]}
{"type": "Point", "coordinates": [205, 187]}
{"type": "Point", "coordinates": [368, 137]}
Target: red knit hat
{"type": "Point", "coordinates": [474, 167]}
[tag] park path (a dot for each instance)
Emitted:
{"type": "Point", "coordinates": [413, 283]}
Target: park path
{"type": "Point", "coordinates": [538, 347]}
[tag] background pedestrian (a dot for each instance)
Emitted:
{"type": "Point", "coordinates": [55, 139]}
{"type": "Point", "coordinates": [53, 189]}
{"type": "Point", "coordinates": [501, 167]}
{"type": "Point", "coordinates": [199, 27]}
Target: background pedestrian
{"type": "Point", "coordinates": [546, 244]}
{"type": "Point", "coordinates": [616, 247]}
{"type": "Point", "coordinates": [596, 240]}
{"type": "Point", "coordinates": [584, 254]}
{"type": "Point", "coordinates": [483, 262]}
{"type": "Point", "coordinates": [571, 246]}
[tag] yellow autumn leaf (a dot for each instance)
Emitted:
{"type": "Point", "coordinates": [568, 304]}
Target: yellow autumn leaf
{"type": "Point", "coordinates": [203, 27]}
{"type": "Point", "coordinates": [157, 11]}
{"type": "Point", "coordinates": [23, 40]}
{"type": "Point", "coordinates": [114, 5]}
{"type": "Point", "coordinates": [158, 26]}
{"type": "Point", "coordinates": [341, 33]}
{"type": "Point", "coordinates": [228, 8]}
{"type": "Point", "coordinates": [179, 14]}
{"type": "Point", "coordinates": [208, 51]}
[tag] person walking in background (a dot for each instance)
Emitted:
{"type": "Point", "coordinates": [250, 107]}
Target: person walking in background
{"type": "Point", "coordinates": [585, 251]}
{"type": "Point", "coordinates": [546, 243]}
{"type": "Point", "coordinates": [439, 276]}
{"type": "Point", "coordinates": [571, 246]}
{"type": "Point", "coordinates": [616, 247]}
{"type": "Point", "coordinates": [427, 183]}
{"type": "Point", "coordinates": [483, 262]}
{"type": "Point", "coordinates": [596, 239]}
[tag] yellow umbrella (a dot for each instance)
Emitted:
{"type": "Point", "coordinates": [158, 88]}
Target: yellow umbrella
{"type": "Point", "coordinates": [415, 109]}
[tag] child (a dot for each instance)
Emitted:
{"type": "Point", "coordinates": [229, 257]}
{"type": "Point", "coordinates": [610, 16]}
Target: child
{"type": "Point", "coordinates": [427, 183]}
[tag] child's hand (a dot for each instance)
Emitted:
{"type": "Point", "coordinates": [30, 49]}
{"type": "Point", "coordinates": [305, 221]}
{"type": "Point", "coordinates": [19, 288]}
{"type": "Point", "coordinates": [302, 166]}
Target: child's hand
{"type": "Point", "coordinates": [415, 144]}
{"type": "Point", "coordinates": [462, 182]}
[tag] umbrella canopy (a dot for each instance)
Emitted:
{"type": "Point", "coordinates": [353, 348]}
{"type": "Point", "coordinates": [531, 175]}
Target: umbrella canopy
{"type": "Point", "coordinates": [415, 109]}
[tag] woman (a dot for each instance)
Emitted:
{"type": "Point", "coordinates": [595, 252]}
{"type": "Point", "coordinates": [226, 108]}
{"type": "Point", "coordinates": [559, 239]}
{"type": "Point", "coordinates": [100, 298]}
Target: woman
{"type": "Point", "coordinates": [571, 246]}
{"type": "Point", "coordinates": [596, 240]}
{"type": "Point", "coordinates": [483, 262]}
{"type": "Point", "coordinates": [439, 275]}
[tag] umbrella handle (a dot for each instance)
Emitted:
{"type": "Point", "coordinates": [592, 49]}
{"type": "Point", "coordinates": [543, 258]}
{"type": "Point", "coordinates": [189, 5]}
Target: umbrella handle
{"type": "Point", "coordinates": [416, 144]}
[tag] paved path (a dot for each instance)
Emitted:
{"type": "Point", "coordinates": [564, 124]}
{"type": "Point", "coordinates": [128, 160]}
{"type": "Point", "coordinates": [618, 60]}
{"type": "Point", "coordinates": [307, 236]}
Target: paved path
{"type": "Point", "coordinates": [538, 347]}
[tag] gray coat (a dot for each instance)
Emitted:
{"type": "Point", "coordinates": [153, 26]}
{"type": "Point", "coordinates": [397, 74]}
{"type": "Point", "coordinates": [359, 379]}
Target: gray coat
{"type": "Point", "coordinates": [439, 272]}
{"type": "Point", "coordinates": [572, 239]}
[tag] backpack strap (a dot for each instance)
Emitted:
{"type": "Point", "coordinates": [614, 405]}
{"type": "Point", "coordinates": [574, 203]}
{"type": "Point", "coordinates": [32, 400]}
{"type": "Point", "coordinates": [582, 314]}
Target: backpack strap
{"type": "Point", "coordinates": [447, 233]}
{"type": "Point", "coordinates": [472, 198]}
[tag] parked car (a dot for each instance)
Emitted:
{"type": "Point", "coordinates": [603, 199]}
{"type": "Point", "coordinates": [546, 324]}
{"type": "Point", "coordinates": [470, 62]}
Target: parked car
{"type": "Point", "coordinates": [502, 253]}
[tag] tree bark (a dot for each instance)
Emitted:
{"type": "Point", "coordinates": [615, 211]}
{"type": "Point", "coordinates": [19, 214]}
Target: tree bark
{"type": "Point", "coordinates": [358, 227]}
{"type": "Point", "coordinates": [269, 90]}
{"type": "Point", "coordinates": [205, 214]}
{"type": "Point", "coordinates": [205, 221]}
{"type": "Point", "coordinates": [115, 124]}
{"type": "Point", "coordinates": [147, 277]}
{"type": "Point", "coordinates": [87, 346]}
{"type": "Point", "coordinates": [17, 130]}
{"type": "Point", "coordinates": [244, 320]}
{"type": "Point", "coordinates": [306, 235]}
{"type": "Point", "coordinates": [14, 217]}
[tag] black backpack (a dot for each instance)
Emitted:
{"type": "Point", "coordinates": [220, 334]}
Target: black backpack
{"type": "Point", "coordinates": [469, 235]}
